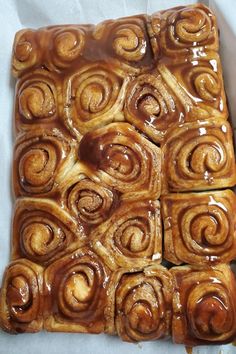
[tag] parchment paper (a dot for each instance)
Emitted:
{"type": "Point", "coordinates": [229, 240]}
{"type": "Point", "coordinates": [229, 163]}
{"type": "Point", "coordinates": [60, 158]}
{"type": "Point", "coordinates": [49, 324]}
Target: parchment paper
{"type": "Point", "coordinates": [17, 14]}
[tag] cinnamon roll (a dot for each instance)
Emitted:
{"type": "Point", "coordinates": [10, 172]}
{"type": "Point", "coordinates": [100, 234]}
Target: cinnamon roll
{"type": "Point", "coordinates": [75, 293]}
{"type": "Point", "coordinates": [184, 30]}
{"type": "Point", "coordinates": [37, 100]}
{"type": "Point", "coordinates": [21, 297]}
{"type": "Point", "coordinates": [94, 96]}
{"type": "Point", "coordinates": [139, 303]}
{"type": "Point", "coordinates": [151, 106]}
{"type": "Point", "coordinates": [199, 227]}
{"type": "Point", "coordinates": [126, 41]}
{"type": "Point", "coordinates": [123, 159]}
{"type": "Point", "coordinates": [108, 119]}
{"type": "Point", "coordinates": [199, 156]}
{"type": "Point", "coordinates": [200, 84]}
{"type": "Point", "coordinates": [43, 232]}
{"type": "Point", "coordinates": [131, 237]}
{"type": "Point", "coordinates": [66, 45]}
{"type": "Point", "coordinates": [204, 310]}
{"type": "Point", "coordinates": [86, 198]}
{"type": "Point", "coordinates": [42, 158]}
{"type": "Point", "coordinates": [26, 52]}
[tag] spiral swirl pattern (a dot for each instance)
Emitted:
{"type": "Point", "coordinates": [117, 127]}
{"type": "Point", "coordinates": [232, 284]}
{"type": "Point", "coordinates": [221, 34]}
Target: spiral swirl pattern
{"type": "Point", "coordinates": [203, 84]}
{"type": "Point", "coordinates": [206, 83]}
{"type": "Point", "coordinates": [36, 100]}
{"type": "Point", "coordinates": [129, 41]}
{"type": "Point", "coordinates": [89, 201]}
{"type": "Point", "coordinates": [199, 157]}
{"type": "Point", "coordinates": [21, 297]}
{"type": "Point", "coordinates": [67, 44]}
{"type": "Point", "coordinates": [131, 237]}
{"type": "Point", "coordinates": [201, 227]}
{"type": "Point", "coordinates": [207, 306]}
{"type": "Point", "coordinates": [77, 288]}
{"type": "Point", "coordinates": [26, 52]}
{"type": "Point", "coordinates": [208, 227]}
{"type": "Point", "coordinates": [43, 231]}
{"type": "Point", "coordinates": [95, 95]}
{"type": "Point", "coordinates": [126, 41]}
{"type": "Point", "coordinates": [124, 159]}
{"type": "Point", "coordinates": [143, 305]}
{"type": "Point", "coordinates": [188, 27]}
{"type": "Point", "coordinates": [41, 158]}
{"type": "Point", "coordinates": [151, 107]}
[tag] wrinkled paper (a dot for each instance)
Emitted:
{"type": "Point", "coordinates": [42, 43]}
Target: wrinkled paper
{"type": "Point", "coordinates": [17, 14]}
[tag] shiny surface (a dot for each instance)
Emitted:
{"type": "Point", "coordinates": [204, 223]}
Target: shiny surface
{"type": "Point", "coordinates": [203, 305]}
{"type": "Point", "coordinates": [199, 157]}
{"type": "Point", "coordinates": [199, 228]}
{"type": "Point", "coordinates": [139, 305]}
{"type": "Point", "coordinates": [21, 302]}
{"type": "Point", "coordinates": [131, 237]}
{"type": "Point", "coordinates": [108, 119]}
{"type": "Point", "coordinates": [75, 293]}
{"type": "Point", "coordinates": [124, 160]}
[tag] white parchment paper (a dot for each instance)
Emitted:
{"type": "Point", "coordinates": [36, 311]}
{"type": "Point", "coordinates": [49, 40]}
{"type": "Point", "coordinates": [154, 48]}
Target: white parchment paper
{"type": "Point", "coordinates": [17, 14]}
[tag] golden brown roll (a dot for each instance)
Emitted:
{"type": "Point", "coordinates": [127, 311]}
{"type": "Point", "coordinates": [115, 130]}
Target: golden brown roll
{"type": "Point", "coordinates": [126, 42]}
{"type": "Point", "coordinates": [21, 297]}
{"type": "Point", "coordinates": [131, 237]}
{"type": "Point", "coordinates": [75, 293]}
{"type": "Point", "coordinates": [199, 227]}
{"type": "Point", "coordinates": [198, 85]}
{"type": "Point", "coordinates": [109, 119]}
{"type": "Point", "coordinates": [204, 305]}
{"type": "Point", "coordinates": [198, 156]}
{"type": "Point", "coordinates": [123, 159]}
{"type": "Point", "coordinates": [26, 51]}
{"type": "Point", "coordinates": [43, 232]}
{"type": "Point", "coordinates": [151, 105]}
{"type": "Point", "coordinates": [139, 303]}
{"type": "Point", "coordinates": [186, 30]}
{"type": "Point", "coordinates": [65, 46]}
{"type": "Point", "coordinates": [86, 198]}
{"type": "Point", "coordinates": [37, 100]}
{"type": "Point", "coordinates": [42, 158]}
{"type": "Point", "coordinates": [93, 97]}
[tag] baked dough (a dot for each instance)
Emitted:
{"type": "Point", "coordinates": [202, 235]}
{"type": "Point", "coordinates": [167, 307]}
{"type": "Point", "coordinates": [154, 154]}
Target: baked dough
{"type": "Point", "coordinates": [115, 126]}
{"type": "Point", "coordinates": [199, 228]}
{"type": "Point", "coordinates": [204, 310]}
{"type": "Point", "coordinates": [21, 297]}
{"type": "Point", "coordinates": [139, 303]}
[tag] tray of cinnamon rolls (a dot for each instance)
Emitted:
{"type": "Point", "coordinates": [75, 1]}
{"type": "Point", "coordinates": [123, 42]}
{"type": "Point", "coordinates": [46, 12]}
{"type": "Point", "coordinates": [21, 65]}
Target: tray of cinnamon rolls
{"type": "Point", "coordinates": [123, 170]}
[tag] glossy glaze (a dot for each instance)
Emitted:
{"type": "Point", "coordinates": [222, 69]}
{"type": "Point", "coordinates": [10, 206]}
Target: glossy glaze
{"type": "Point", "coordinates": [199, 228]}
{"type": "Point", "coordinates": [203, 305]}
{"type": "Point", "coordinates": [107, 119]}
{"type": "Point", "coordinates": [75, 293]}
{"type": "Point", "coordinates": [199, 156]}
{"type": "Point", "coordinates": [139, 305]}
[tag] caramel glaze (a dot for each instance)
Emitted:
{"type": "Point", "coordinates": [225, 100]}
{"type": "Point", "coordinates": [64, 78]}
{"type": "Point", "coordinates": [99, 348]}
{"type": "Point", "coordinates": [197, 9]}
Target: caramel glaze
{"type": "Point", "coordinates": [104, 214]}
{"type": "Point", "coordinates": [199, 227]}
{"type": "Point", "coordinates": [99, 113]}
{"type": "Point", "coordinates": [64, 303]}
{"type": "Point", "coordinates": [124, 156]}
{"type": "Point", "coordinates": [133, 46]}
{"type": "Point", "coordinates": [204, 305]}
{"type": "Point", "coordinates": [199, 156]}
{"type": "Point", "coordinates": [97, 45]}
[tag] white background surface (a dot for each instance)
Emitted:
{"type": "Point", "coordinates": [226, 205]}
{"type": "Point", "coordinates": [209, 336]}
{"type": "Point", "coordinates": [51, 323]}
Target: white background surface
{"type": "Point", "coordinates": [17, 14]}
